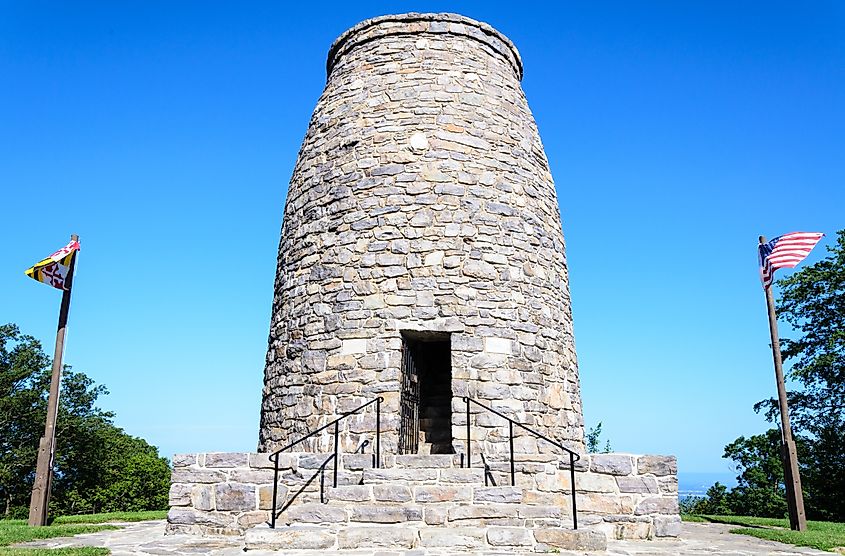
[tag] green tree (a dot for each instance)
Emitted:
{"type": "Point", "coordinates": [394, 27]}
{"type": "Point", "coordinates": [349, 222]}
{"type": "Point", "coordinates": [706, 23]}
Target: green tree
{"type": "Point", "coordinates": [760, 490]}
{"type": "Point", "coordinates": [593, 440]}
{"type": "Point", "coordinates": [98, 467]}
{"type": "Point", "coordinates": [812, 302]}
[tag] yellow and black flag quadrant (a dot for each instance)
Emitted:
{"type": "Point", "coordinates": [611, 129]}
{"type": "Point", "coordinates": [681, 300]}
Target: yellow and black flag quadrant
{"type": "Point", "coordinates": [54, 270]}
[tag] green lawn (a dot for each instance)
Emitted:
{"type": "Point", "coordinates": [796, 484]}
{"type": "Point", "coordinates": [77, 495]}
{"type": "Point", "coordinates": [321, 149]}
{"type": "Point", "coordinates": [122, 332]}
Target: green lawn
{"type": "Point", "coordinates": [822, 535]}
{"type": "Point", "coordinates": [13, 531]}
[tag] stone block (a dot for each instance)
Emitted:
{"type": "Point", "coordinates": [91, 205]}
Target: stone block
{"type": "Point", "coordinates": [184, 460]}
{"type": "Point", "coordinates": [611, 464]}
{"type": "Point", "coordinates": [509, 536]}
{"type": "Point", "coordinates": [391, 493]}
{"type": "Point", "coordinates": [265, 496]}
{"type": "Point", "coordinates": [226, 459]}
{"type": "Point", "coordinates": [567, 539]}
{"type": "Point", "coordinates": [458, 475]}
{"type": "Point", "coordinates": [376, 537]}
{"type": "Point", "coordinates": [487, 512]}
{"type": "Point", "coordinates": [594, 482]}
{"type": "Point", "coordinates": [196, 475]}
{"type": "Point", "coordinates": [235, 497]}
{"type": "Point", "coordinates": [508, 495]}
{"type": "Point", "coordinates": [180, 494]}
{"type": "Point", "coordinates": [658, 505]}
{"type": "Point", "coordinates": [453, 538]}
{"type": "Point", "coordinates": [289, 538]}
{"type": "Point", "coordinates": [314, 513]}
{"type": "Point", "coordinates": [428, 462]}
{"type": "Point", "coordinates": [657, 465]}
{"type": "Point", "coordinates": [386, 514]}
{"type": "Point", "coordinates": [252, 476]}
{"type": "Point", "coordinates": [391, 475]}
{"type": "Point", "coordinates": [251, 519]}
{"type": "Point", "coordinates": [638, 484]}
{"type": "Point", "coordinates": [263, 461]}
{"type": "Point", "coordinates": [352, 493]}
{"type": "Point", "coordinates": [190, 516]}
{"type": "Point", "coordinates": [435, 515]}
{"type": "Point", "coordinates": [202, 497]}
{"type": "Point", "coordinates": [667, 526]}
{"type": "Point", "coordinates": [441, 493]}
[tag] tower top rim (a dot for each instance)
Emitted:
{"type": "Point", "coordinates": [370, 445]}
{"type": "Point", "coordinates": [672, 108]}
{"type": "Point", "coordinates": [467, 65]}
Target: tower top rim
{"type": "Point", "coordinates": [424, 23]}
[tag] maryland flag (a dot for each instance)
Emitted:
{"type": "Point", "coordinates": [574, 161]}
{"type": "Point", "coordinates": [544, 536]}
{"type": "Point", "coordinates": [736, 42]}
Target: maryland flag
{"type": "Point", "coordinates": [54, 270]}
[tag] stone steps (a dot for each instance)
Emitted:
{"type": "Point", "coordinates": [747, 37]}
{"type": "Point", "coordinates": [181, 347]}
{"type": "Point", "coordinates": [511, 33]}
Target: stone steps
{"type": "Point", "coordinates": [501, 539]}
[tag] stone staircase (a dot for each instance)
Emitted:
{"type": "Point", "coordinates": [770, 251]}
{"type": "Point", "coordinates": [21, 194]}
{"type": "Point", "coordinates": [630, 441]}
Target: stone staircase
{"type": "Point", "coordinates": [421, 502]}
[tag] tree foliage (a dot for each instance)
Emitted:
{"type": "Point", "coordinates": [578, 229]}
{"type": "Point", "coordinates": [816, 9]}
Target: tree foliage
{"type": "Point", "coordinates": [98, 467]}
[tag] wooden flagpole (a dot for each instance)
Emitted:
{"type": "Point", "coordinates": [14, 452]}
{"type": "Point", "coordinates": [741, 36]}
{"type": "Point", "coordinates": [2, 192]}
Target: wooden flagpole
{"type": "Point", "coordinates": [792, 476]}
{"type": "Point", "coordinates": [40, 498]}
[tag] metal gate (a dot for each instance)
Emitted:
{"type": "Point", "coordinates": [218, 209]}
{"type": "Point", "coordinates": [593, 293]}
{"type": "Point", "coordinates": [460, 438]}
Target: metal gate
{"type": "Point", "coordinates": [409, 404]}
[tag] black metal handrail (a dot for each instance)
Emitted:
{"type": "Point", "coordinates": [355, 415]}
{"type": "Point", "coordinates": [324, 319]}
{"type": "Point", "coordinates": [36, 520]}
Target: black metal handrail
{"type": "Point", "coordinates": [321, 471]}
{"type": "Point", "coordinates": [573, 457]}
{"type": "Point", "coordinates": [274, 457]}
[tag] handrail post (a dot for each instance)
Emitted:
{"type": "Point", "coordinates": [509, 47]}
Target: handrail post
{"type": "Point", "coordinates": [275, 489]}
{"type": "Point", "coordinates": [469, 439]}
{"type": "Point", "coordinates": [322, 484]}
{"type": "Point", "coordinates": [334, 480]}
{"type": "Point", "coordinates": [572, 480]}
{"type": "Point", "coordinates": [378, 432]}
{"type": "Point", "coordinates": [513, 474]}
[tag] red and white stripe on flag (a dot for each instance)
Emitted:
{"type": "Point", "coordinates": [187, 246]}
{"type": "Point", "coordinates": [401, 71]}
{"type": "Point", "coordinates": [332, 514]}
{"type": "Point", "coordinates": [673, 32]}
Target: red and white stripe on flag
{"type": "Point", "coordinates": [785, 251]}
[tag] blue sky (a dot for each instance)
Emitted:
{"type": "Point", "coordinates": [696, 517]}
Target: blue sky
{"type": "Point", "coordinates": [165, 133]}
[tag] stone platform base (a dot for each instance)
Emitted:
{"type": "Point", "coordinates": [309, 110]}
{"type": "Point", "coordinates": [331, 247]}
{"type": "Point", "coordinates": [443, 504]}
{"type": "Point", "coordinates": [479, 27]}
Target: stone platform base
{"type": "Point", "coordinates": [458, 539]}
{"type": "Point", "coordinates": [428, 499]}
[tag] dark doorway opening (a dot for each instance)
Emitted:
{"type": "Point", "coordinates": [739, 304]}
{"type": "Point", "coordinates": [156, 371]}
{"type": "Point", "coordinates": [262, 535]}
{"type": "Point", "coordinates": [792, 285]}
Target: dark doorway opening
{"type": "Point", "coordinates": [426, 396]}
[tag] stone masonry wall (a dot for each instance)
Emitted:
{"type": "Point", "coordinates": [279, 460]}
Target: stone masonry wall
{"type": "Point", "coordinates": [621, 495]}
{"type": "Point", "coordinates": [421, 201]}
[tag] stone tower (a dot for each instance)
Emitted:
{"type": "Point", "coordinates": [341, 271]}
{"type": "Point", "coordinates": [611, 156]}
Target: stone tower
{"type": "Point", "coordinates": [421, 256]}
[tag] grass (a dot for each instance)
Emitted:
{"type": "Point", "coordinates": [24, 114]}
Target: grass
{"type": "Point", "coordinates": [112, 516]}
{"type": "Point", "coordinates": [13, 531]}
{"type": "Point", "coordinates": [821, 535]}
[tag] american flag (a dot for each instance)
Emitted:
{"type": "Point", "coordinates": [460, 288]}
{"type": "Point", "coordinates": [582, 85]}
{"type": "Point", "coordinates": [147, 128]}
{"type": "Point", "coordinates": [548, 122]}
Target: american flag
{"type": "Point", "coordinates": [785, 251]}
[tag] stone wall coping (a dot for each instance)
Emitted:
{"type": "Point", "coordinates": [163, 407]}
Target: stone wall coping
{"type": "Point", "coordinates": [418, 23]}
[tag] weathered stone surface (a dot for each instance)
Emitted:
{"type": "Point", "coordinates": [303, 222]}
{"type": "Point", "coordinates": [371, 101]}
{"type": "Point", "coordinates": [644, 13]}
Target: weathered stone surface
{"type": "Point", "coordinates": [437, 493]}
{"type": "Point", "coordinates": [657, 465]}
{"type": "Point", "coordinates": [421, 200]}
{"type": "Point", "coordinates": [486, 512]}
{"type": "Point", "coordinates": [391, 493]}
{"type": "Point", "coordinates": [184, 460]}
{"type": "Point", "coordinates": [180, 494]}
{"type": "Point", "coordinates": [612, 464]}
{"type": "Point", "coordinates": [263, 461]}
{"type": "Point", "coordinates": [461, 476]}
{"type": "Point", "coordinates": [235, 496]}
{"type": "Point", "coordinates": [572, 540]}
{"type": "Point", "coordinates": [454, 538]}
{"type": "Point", "coordinates": [386, 514]}
{"type": "Point", "coordinates": [225, 459]}
{"type": "Point", "coordinates": [638, 484]}
{"type": "Point", "coordinates": [314, 513]}
{"type": "Point", "coordinates": [664, 505]}
{"type": "Point", "coordinates": [196, 475]}
{"type": "Point", "coordinates": [510, 495]}
{"type": "Point", "coordinates": [368, 537]}
{"type": "Point", "coordinates": [265, 496]}
{"type": "Point", "coordinates": [593, 482]}
{"type": "Point", "coordinates": [282, 538]}
{"type": "Point", "coordinates": [352, 493]}
{"type": "Point", "coordinates": [251, 519]}
{"type": "Point", "coordinates": [428, 462]}
{"type": "Point", "coordinates": [509, 536]}
{"type": "Point", "coordinates": [202, 498]}
{"type": "Point", "coordinates": [189, 516]}
{"type": "Point", "coordinates": [667, 526]}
